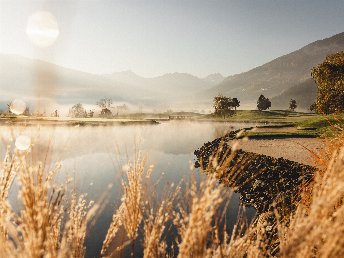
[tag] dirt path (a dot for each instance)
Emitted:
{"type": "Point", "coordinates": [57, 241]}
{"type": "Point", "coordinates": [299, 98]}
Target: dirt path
{"type": "Point", "coordinates": [286, 148]}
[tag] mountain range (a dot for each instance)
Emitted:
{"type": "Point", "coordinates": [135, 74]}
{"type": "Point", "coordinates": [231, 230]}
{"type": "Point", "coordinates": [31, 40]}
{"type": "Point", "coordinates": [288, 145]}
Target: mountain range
{"type": "Point", "coordinates": [168, 87]}
{"type": "Point", "coordinates": [282, 76]}
{"type": "Point", "coordinates": [25, 78]}
{"type": "Point", "coordinates": [285, 77]}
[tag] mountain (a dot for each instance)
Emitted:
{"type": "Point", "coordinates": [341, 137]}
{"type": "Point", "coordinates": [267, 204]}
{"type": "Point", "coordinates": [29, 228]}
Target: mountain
{"type": "Point", "coordinates": [127, 77]}
{"type": "Point", "coordinates": [277, 76]}
{"type": "Point", "coordinates": [304, 94]}
{"type": "Point", "coordinates": [178, 86]}
{"type": "Point", "coordinates": [26, 78]}
{"type": "Point", "coordinates": [214, 78]}
{"type": "Point", "coordinates": [281, 79]}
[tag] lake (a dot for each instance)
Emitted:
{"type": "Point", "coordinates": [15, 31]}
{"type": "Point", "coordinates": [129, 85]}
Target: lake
{"type": "Point", "coordinates": [95, 157]}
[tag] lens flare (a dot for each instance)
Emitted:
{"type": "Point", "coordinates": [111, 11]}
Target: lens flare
{"type": "Point", "coordinates": [23, 142]}
{"type": "Point", "coordinates": [17, 107]}
{"type": "Point", "coordinates": [42, 29]}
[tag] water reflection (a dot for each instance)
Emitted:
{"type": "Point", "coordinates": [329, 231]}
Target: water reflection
{"type": "Point", "coordinates": [94, 157]}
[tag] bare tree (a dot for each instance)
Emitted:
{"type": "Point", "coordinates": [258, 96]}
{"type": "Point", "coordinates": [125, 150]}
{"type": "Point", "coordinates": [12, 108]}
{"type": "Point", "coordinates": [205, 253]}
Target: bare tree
{"type": "Point", "coordinates": [104, 103]}
{"type": "Point", "coordinates": [77, 111]}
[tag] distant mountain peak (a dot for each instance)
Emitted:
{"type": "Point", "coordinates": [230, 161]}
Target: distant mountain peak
{"type": "Point", "coordinates": [214, 78]}
{"type": "Point", "coordinates": [126, 73]}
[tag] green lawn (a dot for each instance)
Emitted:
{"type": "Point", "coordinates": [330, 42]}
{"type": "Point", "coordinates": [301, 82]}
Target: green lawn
{"type": "Point", "coordinates": [275, 135]}
{"type": "Point", "coordinates": [263, 116]}
{"type": "Point", "coordinates": [308, 124]}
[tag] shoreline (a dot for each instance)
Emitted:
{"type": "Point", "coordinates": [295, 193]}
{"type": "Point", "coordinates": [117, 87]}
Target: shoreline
{"type": "Point", "coordinates": [52, 121]}
{"type": "Point", "coordinates": [274, 139]}
{"type": "Point", "coordinates": [21, 121]}
{"type": "Point", "coordinates": [259, 178]}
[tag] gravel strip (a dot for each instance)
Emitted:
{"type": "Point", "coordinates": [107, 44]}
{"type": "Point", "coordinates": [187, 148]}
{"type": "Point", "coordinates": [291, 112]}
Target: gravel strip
{"type": "Point", "coordinates": [286, 148]}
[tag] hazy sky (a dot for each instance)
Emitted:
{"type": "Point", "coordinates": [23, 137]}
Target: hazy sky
{"type": "Point", "coordinates": [156, 37]}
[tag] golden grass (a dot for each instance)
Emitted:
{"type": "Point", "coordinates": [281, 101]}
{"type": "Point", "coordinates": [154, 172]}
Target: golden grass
{"type": "Point", "coordinates": [53, 222]}
{"type": "Point", "coordinates": [37, 230]}
{"type": "Point", "coordinates": [129, 214]}
{"type": "Point", "coordinates": [318, 230]}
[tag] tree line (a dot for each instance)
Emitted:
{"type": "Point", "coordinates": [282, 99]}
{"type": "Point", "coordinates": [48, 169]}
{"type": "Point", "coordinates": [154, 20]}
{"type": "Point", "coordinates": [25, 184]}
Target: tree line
{"type": "Point", "coordinates": [106, 109]}
{"type": "Point", "coordinates": [224, 106]}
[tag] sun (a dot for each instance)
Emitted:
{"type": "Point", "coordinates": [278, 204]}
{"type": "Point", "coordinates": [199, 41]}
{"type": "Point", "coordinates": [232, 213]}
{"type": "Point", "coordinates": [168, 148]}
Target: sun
{"type": "Point", "coordinates": [42, 29]}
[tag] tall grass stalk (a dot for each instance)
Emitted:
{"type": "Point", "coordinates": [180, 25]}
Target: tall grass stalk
{"type": "Point", "coordinates": [53, 222]}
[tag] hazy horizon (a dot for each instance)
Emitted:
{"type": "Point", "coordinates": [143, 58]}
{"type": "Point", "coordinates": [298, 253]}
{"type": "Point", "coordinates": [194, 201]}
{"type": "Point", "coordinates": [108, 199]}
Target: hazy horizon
{"type": "Point", "coordinates": [152, 38]}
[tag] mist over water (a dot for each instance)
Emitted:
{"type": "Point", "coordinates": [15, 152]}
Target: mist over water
{"type": "Point", "coordinates": [94, 157]}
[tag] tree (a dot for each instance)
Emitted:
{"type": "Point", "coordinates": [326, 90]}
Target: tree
{"type": "Point", "coordinates": [27, 112]}
{"type": "Point", "coordinates": [235, 103]}
{"type": "Point", "coordinates": [292, 105]}
{"type": "Point", "coordinates": [106, 113]}
{"type": "Point", "coordinates": [91, 113]}
{"type": "Point", "coordinates": [77, 111]}
{"type": "Point", "coordinates": [329, 77]}
{"type": "Point", "coordinates": [104, 103]}
{"type": "Point", "coordinates": [263, 103]}
{"type": "Point", "coordinates": [222, 105]}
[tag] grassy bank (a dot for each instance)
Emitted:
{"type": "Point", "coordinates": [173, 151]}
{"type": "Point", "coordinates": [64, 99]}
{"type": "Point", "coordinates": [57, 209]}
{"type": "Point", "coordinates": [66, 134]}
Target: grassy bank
{"type": "Point", "coordinates": [273, 116]}
{"type": "Point", "coordinates": [281, 135]}
{"type": "Point", "coordinates": [306, 124]}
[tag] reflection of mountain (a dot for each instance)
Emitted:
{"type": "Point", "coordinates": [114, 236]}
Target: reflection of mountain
{"type": "Point", "coordinates": [279, 75]}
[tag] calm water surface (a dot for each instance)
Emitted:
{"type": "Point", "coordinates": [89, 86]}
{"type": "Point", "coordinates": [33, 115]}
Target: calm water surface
{"type": "Point", "coordinates": [94, 158]}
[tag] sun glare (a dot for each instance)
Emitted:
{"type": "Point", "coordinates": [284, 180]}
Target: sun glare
{"type": "Point", "coordinates": [42, 29]}
{"type": "Point", "coordinates": [18, 106]}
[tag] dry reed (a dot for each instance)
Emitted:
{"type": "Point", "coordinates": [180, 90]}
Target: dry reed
{"type": "Point", "coordinates": [51, 224]}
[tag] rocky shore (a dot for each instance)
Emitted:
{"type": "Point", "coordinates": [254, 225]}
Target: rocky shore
{"type": "Point", "coordinates": [264, 182]}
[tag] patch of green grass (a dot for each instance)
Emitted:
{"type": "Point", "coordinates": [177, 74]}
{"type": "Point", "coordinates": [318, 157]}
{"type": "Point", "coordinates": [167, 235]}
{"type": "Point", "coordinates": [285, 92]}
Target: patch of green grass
{"type": "Point", "coordinates": [321, 121]}
{"type": "Point", "coordinates": [273, 116]}
{"type": "Point", "coordinates": [327, 125]}
{"type": "Point", "coordinates": [281, 135]}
